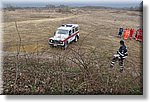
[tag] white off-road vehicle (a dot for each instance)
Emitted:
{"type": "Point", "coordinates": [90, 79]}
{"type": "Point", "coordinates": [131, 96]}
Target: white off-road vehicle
{"type": "Point", "coordinates": [64, 35]}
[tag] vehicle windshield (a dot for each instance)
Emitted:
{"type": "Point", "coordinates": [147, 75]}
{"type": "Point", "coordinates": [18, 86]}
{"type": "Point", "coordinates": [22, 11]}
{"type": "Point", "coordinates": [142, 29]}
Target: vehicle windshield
{"type": "Point", "coordinates": [61, 31]}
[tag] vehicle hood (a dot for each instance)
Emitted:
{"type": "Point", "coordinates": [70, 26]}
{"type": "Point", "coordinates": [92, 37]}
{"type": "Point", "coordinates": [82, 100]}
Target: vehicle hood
{"type": "Point", "coordinates": [59, 37]}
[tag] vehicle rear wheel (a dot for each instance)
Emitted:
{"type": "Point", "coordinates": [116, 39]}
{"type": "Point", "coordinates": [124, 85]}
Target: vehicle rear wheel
{"type": "Point", "coordinates": [76, 39]}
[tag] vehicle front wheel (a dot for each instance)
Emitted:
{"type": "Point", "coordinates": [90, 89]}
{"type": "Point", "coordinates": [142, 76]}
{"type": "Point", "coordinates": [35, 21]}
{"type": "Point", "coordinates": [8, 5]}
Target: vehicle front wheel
{"type": "Point", "coordinates": [65, 45]}
{"type": "Point", "coordinates": [51, 46]}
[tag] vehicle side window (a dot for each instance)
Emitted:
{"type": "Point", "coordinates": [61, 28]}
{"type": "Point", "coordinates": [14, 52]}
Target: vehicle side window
{"type": "Point", "coordinates": [73, 30]}
{"type": "Point", "coordinates": [69, 32]}
{"type": "Point", "coordinates": [76, 29]}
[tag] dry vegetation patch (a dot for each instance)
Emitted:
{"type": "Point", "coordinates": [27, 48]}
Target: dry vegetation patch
{"type": "Point", "coordinates": [83, 68]}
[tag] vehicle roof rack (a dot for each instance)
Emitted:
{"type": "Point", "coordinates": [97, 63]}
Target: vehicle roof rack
{"type": "Point", "coordinates": [68, 25]}
{"type": "Point", "coordinates": [63, 25]}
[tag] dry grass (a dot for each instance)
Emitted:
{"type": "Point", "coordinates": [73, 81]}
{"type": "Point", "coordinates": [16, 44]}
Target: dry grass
{"type": "Point", "coordinates": [81, 69]}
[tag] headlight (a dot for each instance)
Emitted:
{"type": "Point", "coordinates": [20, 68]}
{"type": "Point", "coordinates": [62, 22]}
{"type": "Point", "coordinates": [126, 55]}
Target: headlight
{"type": "Point", "coordinates": [61, 42]}
{"type": "Point", "coordinates": [50, 40]}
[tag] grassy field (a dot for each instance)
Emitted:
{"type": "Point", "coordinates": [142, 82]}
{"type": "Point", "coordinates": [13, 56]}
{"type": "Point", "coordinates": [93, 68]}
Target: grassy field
{"type": "Point", "coordinates": [30, 66]}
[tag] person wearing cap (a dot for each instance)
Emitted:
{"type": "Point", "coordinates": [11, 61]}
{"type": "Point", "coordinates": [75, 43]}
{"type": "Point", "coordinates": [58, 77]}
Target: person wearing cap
{"type": "Point", "coordinates": [122, 53]}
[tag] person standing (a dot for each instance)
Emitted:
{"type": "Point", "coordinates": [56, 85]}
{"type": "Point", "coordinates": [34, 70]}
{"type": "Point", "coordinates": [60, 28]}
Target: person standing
{"type": "Point", "coordinates": [131, 33]}
{"type": "Point", "coordinates": [126, 33]}
{"type": "Point", "coordinates": [120, 32]}
{"type": "Point", "coordinates": [122, 53]}
{"type": "Point", "coordinates": [139, 35]}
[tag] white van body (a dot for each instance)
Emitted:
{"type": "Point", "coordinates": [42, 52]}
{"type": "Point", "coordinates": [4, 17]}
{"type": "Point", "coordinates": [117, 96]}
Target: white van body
{"type": "Point", "coordinates": [64, 35]}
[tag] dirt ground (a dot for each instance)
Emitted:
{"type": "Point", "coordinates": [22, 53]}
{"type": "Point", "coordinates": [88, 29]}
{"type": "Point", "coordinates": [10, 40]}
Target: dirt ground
{"type": "Point", "coordinates": [34, 67]}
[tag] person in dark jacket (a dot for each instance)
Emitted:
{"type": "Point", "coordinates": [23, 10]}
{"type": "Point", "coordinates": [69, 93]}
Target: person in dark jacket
{"type": "Point", "coordinates": [120, 32]}
{"type": "Point", "coordinates": [122, 53]}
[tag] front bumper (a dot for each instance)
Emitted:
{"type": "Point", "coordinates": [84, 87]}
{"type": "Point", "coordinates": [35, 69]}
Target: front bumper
{"type": "Point", "coordinates": [56, 43]}
{"type": "Point", "coordinates": [53, 44]}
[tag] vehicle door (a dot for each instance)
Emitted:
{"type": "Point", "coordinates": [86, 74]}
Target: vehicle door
{"type": "Point", "coordinates": [73, 32]}
{"type": "Point", "coordinates": [70, 38]}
